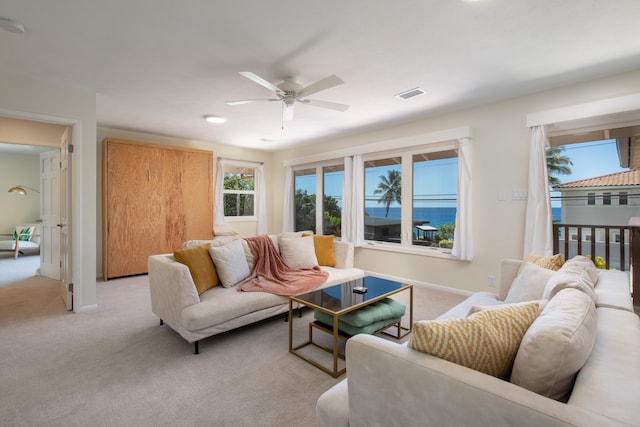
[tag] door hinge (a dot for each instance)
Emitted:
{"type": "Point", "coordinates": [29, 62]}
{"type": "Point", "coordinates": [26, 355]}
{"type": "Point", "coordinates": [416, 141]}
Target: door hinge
{"type": "Point", "coordinates": [70, 287]}
{"type": "Point", "coordinates": [70, 148]}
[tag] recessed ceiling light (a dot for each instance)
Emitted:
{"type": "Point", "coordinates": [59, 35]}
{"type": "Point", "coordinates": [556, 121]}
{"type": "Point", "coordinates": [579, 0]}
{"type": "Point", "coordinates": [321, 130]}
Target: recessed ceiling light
{"type": "Point", "coordinates": [215, 119]}
{"type": "Point", "coordinates": [11, 25]}
{"type": "Point", "coordinates": [265, 140]}
{"type": "Point", "coordinates": [410, 93]}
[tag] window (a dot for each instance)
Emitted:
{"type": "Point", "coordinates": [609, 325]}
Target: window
{"type": "Point", "coordinates": [305, 199]}
{"type": "Point", "coordinates": [606, 198]}
{"type": "Point", "coordinates": [239, 192]}
{"type": "Point", "coordinates": [623, 198]}
{"type": "Point", "coordinates": [333, 178]}
{"type": "Point", "coordinates": [406, 198]}
{"type": "Point", "coordinates": [382, 200]}
{"type": "Point", "coordinates": [591, 199]}
{"type": "Point", "coordinates": [435, 187]}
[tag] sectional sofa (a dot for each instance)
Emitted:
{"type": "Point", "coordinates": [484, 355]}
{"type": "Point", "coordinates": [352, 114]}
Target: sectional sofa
{"type": "Point", "coordinates": [578, 363]}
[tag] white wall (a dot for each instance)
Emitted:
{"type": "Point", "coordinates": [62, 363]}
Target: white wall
{"type": "Point", "coordinates": [500, 164]}
{"type": "Point", "coordinates": [245, 229]}
{"type": "Point", "coordinates": [37, 100]}
{"type": "Point", "coordinates": [16, 209]}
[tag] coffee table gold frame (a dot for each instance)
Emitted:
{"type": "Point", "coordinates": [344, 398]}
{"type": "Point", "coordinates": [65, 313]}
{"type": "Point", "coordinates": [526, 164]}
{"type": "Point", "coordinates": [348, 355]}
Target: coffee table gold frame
{"type": "Point", "coordinates": [335, 372]}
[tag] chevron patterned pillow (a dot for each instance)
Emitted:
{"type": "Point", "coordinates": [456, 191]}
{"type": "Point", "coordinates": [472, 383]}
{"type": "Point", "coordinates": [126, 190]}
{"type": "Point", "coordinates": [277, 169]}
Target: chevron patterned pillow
{"type": "Point", "coordinates": [486, 341]}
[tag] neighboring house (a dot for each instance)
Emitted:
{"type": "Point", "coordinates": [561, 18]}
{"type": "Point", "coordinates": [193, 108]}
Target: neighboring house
{"type": "Point", "coordinates": [604, 200]}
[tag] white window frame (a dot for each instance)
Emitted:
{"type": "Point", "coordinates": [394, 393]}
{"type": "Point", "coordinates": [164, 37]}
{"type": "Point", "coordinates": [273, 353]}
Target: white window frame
{"type": "Point", "coordinates": [319, 167]}
{"type": "Point", "coordinates": [415, 144]}
{"type": "Point", "coordinates": [248, 165]}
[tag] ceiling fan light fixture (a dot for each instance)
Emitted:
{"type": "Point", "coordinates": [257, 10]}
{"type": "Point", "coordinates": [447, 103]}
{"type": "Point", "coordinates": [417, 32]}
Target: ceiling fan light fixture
{"type": "Point", "coordinates": [411, 93]}
{"type": "Point", "coordinates": [215, 119]}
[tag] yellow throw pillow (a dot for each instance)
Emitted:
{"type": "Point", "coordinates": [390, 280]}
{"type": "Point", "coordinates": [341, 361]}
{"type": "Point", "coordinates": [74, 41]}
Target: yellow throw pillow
{"type": "Point", "coordinates": [324, 250]}
{"type": "Point", "coordinates": [200, 264]}
{"type": "Point", "coordinates": [486, 341]}
{"type": "Point", "coordinates": [553, 262]}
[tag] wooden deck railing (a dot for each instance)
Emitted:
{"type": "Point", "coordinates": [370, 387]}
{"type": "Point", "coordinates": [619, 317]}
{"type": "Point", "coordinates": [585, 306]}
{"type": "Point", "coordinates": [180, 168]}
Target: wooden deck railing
{"type": "Point", "coordinates": [618, 246]}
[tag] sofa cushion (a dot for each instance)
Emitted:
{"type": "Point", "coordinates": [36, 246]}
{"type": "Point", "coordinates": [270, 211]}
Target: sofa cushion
{"type": "Point", "coordinates": [23, 233]}
{"type": "Point", "coordinates": [231, 263]}
{"type": "Point", "coordinates": [578, 273]}
{"type": "Point", "coordinates": [556, 345]}
{"type": "Point", "coordinates": [486, 341]}
{"type": "Point", "coordinates": [613, 290]}
{"type": "Point", "coordinates": [298, 252]}
{"type": "Point", "coordinates": [200, 266]}
{"type": "Point", "coordinates": [325, 254]}
{"type": "Point", "coordinates": [529, 284]}
{"type": "Point", "coordinates": [553, 262]}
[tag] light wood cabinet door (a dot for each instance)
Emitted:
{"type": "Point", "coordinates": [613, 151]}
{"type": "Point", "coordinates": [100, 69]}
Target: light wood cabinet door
{"type": "Point", "coordinates": [154, 198]}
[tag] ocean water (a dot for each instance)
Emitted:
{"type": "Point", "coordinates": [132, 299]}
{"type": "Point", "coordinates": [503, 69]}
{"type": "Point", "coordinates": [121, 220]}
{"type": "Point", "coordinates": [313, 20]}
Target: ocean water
{"type": "Point", "coordinates": [432, 216]}
{"type": "Point", "coordinates": [435, 216]}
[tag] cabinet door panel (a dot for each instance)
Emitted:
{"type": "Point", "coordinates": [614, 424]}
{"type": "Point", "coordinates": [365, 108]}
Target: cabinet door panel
{"type": "Point", "coordinates": [197, 191]}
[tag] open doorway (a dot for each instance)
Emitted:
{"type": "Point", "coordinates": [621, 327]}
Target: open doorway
{"type": "Point", "coordinates": [38, 150]}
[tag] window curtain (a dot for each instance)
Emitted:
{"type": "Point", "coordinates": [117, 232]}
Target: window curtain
{"type": "Point", "coordinates": [352, 227]}
{"type": "Point", "coordinates": [218, 205]}
{"type": "Point", "coordinates": [462, 240]}
{"type": "Point", "coordinates": [288, 202]}
{"type": "Point", "coordinates": [538, 233]}
{"type": "Point", "coordinates": [260, 201]}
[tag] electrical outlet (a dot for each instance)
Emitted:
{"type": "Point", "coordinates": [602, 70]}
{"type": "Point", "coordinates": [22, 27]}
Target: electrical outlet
{"type": "Point", "coordinates": [491, 280]}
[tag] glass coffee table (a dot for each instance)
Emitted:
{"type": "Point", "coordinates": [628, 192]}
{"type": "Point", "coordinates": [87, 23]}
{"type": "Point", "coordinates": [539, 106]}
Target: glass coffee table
{"type": "Point", "coordinates": [341, 299]}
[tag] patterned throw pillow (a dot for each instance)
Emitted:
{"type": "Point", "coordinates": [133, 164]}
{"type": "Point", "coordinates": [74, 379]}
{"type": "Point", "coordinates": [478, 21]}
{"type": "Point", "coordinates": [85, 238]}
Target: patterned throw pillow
{"type": "Point", "coordinates": [553, 262]}
{"type": "Point", "coordinates": [25, 234]}
{"type": "Point", "coordinates": [486, 341]}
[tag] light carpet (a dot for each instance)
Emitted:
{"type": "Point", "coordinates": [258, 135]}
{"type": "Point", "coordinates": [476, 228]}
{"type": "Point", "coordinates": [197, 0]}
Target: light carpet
{"type": "Point", "coordinates": [118, 367]}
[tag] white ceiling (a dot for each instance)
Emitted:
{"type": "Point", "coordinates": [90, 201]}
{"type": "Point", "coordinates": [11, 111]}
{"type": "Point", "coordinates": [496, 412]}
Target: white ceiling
{"type": "Point", "coordinates": [158, 66]}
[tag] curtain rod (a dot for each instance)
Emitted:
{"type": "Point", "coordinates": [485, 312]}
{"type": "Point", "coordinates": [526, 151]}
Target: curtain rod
{"type": "Point", "coordinates": [238, 160]}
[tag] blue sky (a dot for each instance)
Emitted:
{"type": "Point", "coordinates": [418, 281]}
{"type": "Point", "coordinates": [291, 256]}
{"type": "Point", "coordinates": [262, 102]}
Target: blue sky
{"type": "Point", "coordinates": [589, 160]}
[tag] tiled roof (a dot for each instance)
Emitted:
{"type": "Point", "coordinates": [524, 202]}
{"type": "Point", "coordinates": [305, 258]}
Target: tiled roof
{"type": "Point", "coordinates": [619, 179]}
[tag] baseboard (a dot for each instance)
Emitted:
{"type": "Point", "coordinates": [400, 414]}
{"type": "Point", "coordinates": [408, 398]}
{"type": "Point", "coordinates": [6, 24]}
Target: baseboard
{"type": "Point", "coordinates": [87, 308]}
{"type": "Point", "coordinates": [423, 284]}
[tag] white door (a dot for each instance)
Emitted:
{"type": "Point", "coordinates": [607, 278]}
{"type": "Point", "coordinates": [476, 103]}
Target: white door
{"type": "Point", "coordinates": [50, 214]}
{"type": "Point", "coordinates": [65, 222]}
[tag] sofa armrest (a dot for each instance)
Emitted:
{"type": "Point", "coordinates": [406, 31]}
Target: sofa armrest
{"type": "Point", "coordinates": [171, 288]}
{"type": "Point", "coordinates": [344, 253]}
{"type": "Point", "coordinates": [508, 271]}
{"type": "Point", "coordinates": [392, 385]}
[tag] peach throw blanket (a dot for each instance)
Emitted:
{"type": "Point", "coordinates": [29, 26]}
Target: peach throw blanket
{"type": "Point", "coordinates": [271, 274]}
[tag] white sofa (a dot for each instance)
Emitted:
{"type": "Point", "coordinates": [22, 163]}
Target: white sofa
{"type": "Point", "coordinates": [28, 239]}
{"type": "Point", "coordinates": [391, 384]}
{"type": "Point", "coordinates": [175, 300]}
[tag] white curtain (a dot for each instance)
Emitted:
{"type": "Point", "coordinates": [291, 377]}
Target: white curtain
{"type": "Point", "coordinates": [260, 202]}
{"type": "Point", "coordinates": [218, 205]}
{"type": "Point", "coordinates": [353, 201]}
{"type": "Point", "coordinates": [538, 233]}
{"type": "Point", "coordinates": [463, 240]}
{"type": "Point", "coordinates": [287, 206]}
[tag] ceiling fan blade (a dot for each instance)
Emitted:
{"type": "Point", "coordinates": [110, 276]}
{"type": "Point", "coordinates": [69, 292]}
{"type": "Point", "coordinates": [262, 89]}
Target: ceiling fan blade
{"type": "Point", "coordinates": [326, 83]}
{"type": "Point", "coordinates": [326, 104]}
{"type": "Point", "coordinates": [260, 81]}
{"type": "Point", "coordinates": [248, 101]}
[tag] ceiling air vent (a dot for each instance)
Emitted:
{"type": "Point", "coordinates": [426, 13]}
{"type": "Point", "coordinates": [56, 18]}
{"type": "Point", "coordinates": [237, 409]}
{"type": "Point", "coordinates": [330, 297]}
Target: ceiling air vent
{"type": "Point", "coordinates": [410, 93]}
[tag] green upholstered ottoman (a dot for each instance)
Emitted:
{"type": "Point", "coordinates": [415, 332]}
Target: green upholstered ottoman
{"type": "Point", "coordinates": [366, 320]}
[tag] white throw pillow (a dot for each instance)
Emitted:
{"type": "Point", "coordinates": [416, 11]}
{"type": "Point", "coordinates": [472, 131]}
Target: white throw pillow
{"type": "Point", "coordinates": [298, 252]}
{"type": "Point", "coordinates": [231, 264]}
{"type": "Point", "coordinates": [578, 273]}
{"type": "Point", "coordinates": [529, 284]}
{"type": "Point", "coordinates": [556, 345]}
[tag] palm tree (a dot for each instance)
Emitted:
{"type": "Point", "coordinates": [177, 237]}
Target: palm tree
{"type": "Point", "coordinates": [557, 164]}
{"type": "Point", "coordinates": [390, 187]}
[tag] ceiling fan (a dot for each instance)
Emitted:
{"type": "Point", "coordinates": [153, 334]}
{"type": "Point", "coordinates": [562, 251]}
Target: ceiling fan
{"type": "Point", "coordinates": [289, 92]}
